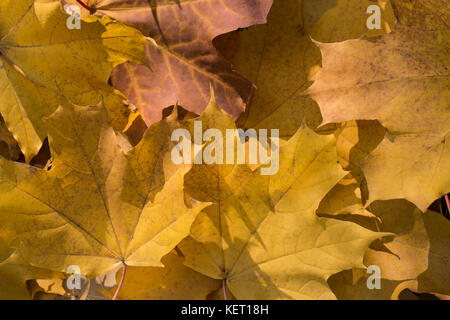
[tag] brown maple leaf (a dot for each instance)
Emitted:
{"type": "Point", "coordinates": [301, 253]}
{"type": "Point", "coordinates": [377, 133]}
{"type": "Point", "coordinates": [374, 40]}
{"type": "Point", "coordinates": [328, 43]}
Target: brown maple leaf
{"type": "Point", "coordinates": [183, 61]}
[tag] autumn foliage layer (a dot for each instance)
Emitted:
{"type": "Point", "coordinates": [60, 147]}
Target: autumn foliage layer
{"type": "Point", "coordinates": [87, 172]}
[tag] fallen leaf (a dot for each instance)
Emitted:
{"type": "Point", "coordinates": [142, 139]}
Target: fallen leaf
{"type": "Point", "coordinates": [15, 272]}
{"type": "Point", "coordinates": [419, 251]}
{"type": "Point", "coordinates": [173, 282]}
{"type": "Point", "coordinates": [41, 59]}
{"type": "Point", "coordinates": [415, 257]}
{"type": "Point", "coordinates": [49, 289]}
{"type": "Point", "coordinates": [344, 198]}
{"type": "Point", "coordinates": [393, 171]}
{"type": "Point", "coordinates": [281, 60]}
{"type": "Point", "coordinates": [183, 62]}
{"type": "Point", "coordinates": [9, 148]}
{"type": "Point", "coordinates": [401, 80]}
{"type": "Point", "coordinates": [97, 207]}
{"type": "Point", "coordinates": [339, 20]}
{"type": "Point", "coordinates": [355, 140]}
{"type": "Point", "coordinates": [261, 234]}
{"type": "Point", "coordinates": [352, 285]}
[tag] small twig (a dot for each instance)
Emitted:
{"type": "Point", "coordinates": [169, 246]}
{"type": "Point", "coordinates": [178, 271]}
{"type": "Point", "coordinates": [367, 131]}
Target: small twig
{"type": "Point", "coordinates": [224, 288]}
{"type": "Point", "coordinates": [124, 270]}
{"type": "Point", "coordinates": [84, 5]}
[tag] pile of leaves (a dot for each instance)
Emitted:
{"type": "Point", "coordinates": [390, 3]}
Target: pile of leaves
{"type": "Point", "coordinates": [87, 180]}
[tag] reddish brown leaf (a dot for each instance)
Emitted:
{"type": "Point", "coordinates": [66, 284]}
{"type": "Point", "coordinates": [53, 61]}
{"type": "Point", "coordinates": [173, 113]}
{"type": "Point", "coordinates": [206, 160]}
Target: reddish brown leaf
{"type": "Point", "coordinates": [184, 63]}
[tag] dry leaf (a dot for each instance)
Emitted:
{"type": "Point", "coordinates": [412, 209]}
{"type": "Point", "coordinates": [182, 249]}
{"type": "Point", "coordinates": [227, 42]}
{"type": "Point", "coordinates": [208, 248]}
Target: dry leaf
{"type": "Point", "coordinates": [40, 59]}
{"type": "Point", "coordinates": [97, 206]}
{"type": "Point", "coordinates": [262, 235]}
{"type": "Point", "coordinates": [183, 62]}
{"type": "Point", "coordinates": [173, 282]}
{"type": "Point", "coordinates": [333, 21]}
{"type": "Point", "coordinates": [400, 79]}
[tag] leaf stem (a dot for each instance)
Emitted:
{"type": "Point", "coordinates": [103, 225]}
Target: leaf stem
{"type": "Point", "coordinates": [84, 5]}
{"type": "Point", "coordinates": [448, 202]}
{"type": "Point", "coordinates": [224, 289]}
{"type": "Point", "coordinates": [124, 270]}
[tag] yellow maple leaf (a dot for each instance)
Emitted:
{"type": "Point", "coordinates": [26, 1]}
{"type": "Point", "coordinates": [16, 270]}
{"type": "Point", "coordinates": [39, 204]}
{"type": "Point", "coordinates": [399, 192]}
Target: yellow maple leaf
{"type": "Point", "coordinates": [401, 80]}
{"type": "Point", "coordinates": [97, 207]}
{"type": "Point", "coordinates": [9, 148]}
{"type": "Point", "coordinates": [261, 236]}
{"type": "Point", "coordinates": [173, 282]}
{"type": "Point", "coordinates": [416, 257]}
{"type": "Point", "coordinates": [333, 21]}
{"type": "Point", "coordinates": [41, 59]}
{"type": "Point", "coordinates": [15, 272]}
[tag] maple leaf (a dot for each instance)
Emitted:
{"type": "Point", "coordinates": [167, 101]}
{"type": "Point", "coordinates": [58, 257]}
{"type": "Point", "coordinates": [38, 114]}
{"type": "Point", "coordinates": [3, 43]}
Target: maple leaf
{"type": "Point", "coordinates": [418, 252]}
{"type": "Point", "coordinates": [282, 61]}
{"type": "Point", "coordinates": [173, 282]}
{"type": "Point", "coordinates": [261, 236]}
{"type": "Point", "coordinates": [355, 140]}
{"type": "Point", "coordinates": [49, 289]}
{"type": "Point", "coordinates": [183, 62]}
{"type": "Point", "coordinates": [41, 59]}
{"type": "Point", "coordinates": [14, 274]}
{"type": "Point", "coordinates": [9, 148]}
{"type": "Point", "coordinates": [344, 198]}
{"type": "Point", "coordinates": [97, 207]}
{"type": "Point", "coordinates": [360, 120]}
{"type": "Point", "coordinates": [415, 258]}
{"type": "Point", "coordinates": [352, 285]}
{"type": "Point", "coordinates": [401, 80]}
{"type": "Point", "coordinates": [333, 21]}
